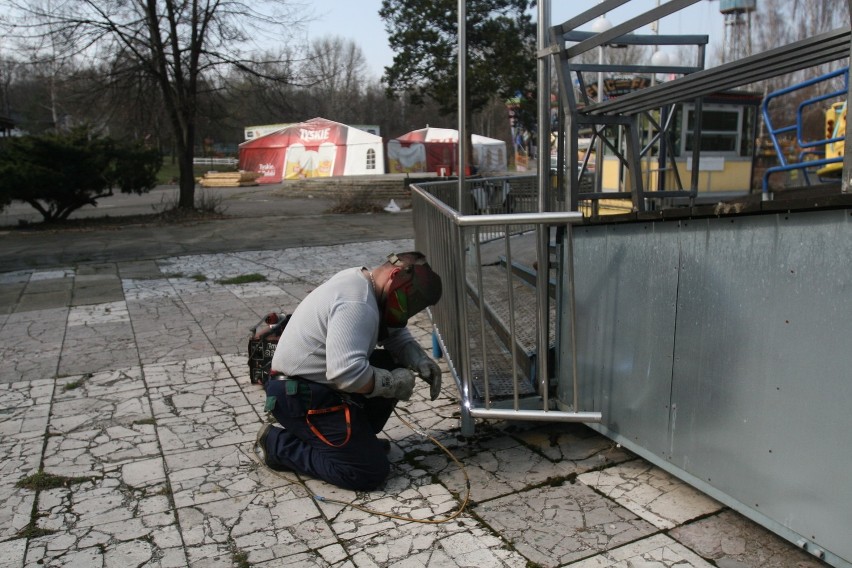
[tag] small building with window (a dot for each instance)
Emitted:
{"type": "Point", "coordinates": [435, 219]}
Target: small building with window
{"type": "Point", "coordinates": [728, 132]}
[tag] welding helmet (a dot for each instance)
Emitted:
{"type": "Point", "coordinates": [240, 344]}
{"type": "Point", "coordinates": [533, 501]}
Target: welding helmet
{"type": "Point", "coordinates": [411, 289]}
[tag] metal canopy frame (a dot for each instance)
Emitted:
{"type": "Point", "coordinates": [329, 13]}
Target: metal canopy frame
{"type": "Point", "coordinates": [633, 112]}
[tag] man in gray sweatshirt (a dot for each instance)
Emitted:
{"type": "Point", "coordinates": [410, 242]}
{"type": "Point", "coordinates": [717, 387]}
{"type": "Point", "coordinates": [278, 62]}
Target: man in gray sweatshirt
{"type": "Point", "coordinates": [331, 389]}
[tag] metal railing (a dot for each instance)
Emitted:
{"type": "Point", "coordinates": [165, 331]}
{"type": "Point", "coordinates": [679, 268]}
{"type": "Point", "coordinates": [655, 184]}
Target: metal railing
{"type": "Point", "coordinates": [484, 329]}
{"type": "Point", "coordinates": [809, 147]}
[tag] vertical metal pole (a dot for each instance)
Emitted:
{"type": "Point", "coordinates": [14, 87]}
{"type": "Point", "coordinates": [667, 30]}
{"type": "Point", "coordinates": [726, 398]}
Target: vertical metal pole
{"type": "Point", "coordinates": [543, 231]}
{"type": "Point", "coordinates": [600, 145]}
{"type": "Point", "coordinates": [510, 290]}
{"type": "Point", "coordinates": [462, 100]}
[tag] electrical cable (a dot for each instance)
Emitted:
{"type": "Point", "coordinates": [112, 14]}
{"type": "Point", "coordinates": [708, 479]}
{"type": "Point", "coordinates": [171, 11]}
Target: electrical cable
{"type": "Point", "coordinates": [354, 505]}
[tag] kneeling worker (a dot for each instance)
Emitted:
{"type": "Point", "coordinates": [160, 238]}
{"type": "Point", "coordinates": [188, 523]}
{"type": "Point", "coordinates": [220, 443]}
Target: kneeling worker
{"type": "Point", "coordinates": [332, 390]}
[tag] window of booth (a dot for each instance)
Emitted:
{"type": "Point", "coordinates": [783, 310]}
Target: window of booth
{"type": "Point", "coordinates": [371, 159]}
{"type": "Point", "coordinates": [723, 130]}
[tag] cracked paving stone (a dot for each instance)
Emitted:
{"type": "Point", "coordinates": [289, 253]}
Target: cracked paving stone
{"type": "Point", "coordinates": [123, 516]}
{"type": "Point", "coordinates": [19, 457]}
{"type": "Point", "coordinates": [732, 541]}
{"type": "Point", "coordinates": [658, 551]}
{"type": "Point", "coordinates": [24, 408]}
{"type": "Point", "coordinates": [111, 312]}
{"type": "Point", "coordinates": [30, 345]}
{"type": "Point", "coordinates": [207, 413]}
{"type": "Point", "coordinates": [255, 290]}
{"type": "Point", "coordinates": [264, 525]}
{"type": "Point", "coordinates": [218, 266]}
{"type": "Point", "coordinates": [103, 383]}
{"type": "Point", "coordinates": [552, 526]}
{"type": "Point", "coordinates": [16, 506]}
{"type": "Point", "coordinates": [186, 372]}
{"type": "Point", "coordinates": [90, 452]}
{"type": "Point", "coordinates": [96, 347]}
{"type": "Point", "coordinates": [12, 553]}
{"type": "Point", "coordinates": [333, 556]}
{"type": "Point", "coordinates": [207, 429]}
{"type": "Point", "coordinates": [139, 291]}
{"type": "Point", "coordinates": [317, 264]}
{"type": "Point", "coordinates": [403, 496]}
{"type": "Point", "coordinates": [460, 542]}
{"type": "Point", "coordinates": [654, 495]}
{"type": "Point", "coordinates": [496, 467]}
{"type": "Point", "coordinates": [213, 474]}
{"type": "Point", "coordinates": [97, 407]}
{"type": "Point", "coordinates": [574, 442]}
{"type": "Point", "coordinates": [135, 489]}
{"type": "Point", "coordinates": [137, 542]}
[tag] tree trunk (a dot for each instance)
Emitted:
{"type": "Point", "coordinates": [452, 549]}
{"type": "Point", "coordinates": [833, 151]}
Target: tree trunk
{"type": "Point", "coordinates": [186, 199]}
{"type": "Point", "coordinates": [185, 155]}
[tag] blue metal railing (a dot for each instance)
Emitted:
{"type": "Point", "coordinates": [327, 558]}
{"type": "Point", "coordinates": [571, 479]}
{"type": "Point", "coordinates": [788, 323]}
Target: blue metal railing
{"type": "Point", "coordinates": [797, 128]}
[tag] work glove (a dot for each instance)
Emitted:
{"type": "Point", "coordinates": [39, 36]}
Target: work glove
{"type": "Point", "coordinates": [398, 383]}
{"type": "Point", "coordinates": [415, 359]}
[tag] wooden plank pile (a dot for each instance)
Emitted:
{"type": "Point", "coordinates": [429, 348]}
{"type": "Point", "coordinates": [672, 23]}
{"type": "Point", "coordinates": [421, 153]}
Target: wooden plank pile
{"type": "Point", "coordinates": [228, 179]}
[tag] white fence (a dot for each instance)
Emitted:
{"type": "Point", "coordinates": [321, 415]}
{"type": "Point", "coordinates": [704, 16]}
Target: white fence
{"type": "Point", "coordinates": [214, 162]}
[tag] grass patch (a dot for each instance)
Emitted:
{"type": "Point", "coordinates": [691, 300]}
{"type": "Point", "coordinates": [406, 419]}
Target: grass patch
{"type": "Point", "coordinates": [243, 279]}
{"type": "Point", "coordinates": [42, 480]}
{"type": "Point", "coordinates": [72, 385]}
{"type": "Point", "coordinates": [241, 559]}
{"type": "Point", "coordinates": [199, 277]}
{"type": "Point", "coordinates": [32, 531]}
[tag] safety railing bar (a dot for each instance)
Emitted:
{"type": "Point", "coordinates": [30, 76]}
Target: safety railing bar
{"type": "Point", "coordinates": [480, 303]}
{"type": "Point", "coordinates": [542, 318]}
{"type": "Point", "coordinates": [511, 296]}
{"type": "Point", "coordinates": [458, 249]}
{"type": "Point", "coordinates": [547, 218]}
{"type": "Point", "coordinates": [799, 166]}
{"type": "Point", "coordinates": [797, 126]}
{"type": "Point", "coordinates": [461, 298]}
{"type": "Point", "coordinates": [535, 415]}
{"type": "Point", "coordinates": [572, 306]}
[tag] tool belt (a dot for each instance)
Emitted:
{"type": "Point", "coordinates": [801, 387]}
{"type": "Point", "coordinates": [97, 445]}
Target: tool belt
{"type": "Point", "coordinates": [300, 394]}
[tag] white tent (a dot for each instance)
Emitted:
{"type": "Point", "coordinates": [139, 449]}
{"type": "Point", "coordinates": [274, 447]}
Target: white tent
{"type": "Point", "coordinates": [436, 150]}
{"type": "Point", "coordinates": [314, 148]}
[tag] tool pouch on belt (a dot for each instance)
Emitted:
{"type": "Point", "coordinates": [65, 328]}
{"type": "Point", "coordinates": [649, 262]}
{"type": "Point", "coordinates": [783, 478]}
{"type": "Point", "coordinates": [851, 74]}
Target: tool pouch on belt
{"type": "Point", "coordinates": [326, 412]}
{"type": "Point", "coordinates": [261, 345]}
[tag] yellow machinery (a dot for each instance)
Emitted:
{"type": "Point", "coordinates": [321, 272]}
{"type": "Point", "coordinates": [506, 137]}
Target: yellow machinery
{"type": "Point", "coordinates": [835, 127]}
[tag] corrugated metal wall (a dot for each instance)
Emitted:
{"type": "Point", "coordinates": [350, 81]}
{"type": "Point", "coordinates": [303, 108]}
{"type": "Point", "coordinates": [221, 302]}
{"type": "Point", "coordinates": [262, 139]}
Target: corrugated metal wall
{"type": "Point", "coordinates": [721, 349]}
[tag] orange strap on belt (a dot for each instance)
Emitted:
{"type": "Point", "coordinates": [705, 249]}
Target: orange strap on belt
{"type": "Point", "coordinates": [345, 408]}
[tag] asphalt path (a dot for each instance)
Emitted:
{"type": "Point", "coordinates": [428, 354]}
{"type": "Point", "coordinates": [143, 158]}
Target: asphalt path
{"type": "Point", "coordinates": [255, 218]}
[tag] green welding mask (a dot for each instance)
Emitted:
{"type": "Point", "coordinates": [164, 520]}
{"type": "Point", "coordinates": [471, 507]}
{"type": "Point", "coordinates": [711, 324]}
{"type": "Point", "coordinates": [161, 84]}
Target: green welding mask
{"type": "Point", "coordinates": [411, 290]}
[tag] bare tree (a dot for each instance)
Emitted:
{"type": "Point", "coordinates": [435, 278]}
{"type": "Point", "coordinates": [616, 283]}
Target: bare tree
{"type": "Point", "coordinates": [337, 68]}
{"type": "Point", "coordinates": [180, 44]}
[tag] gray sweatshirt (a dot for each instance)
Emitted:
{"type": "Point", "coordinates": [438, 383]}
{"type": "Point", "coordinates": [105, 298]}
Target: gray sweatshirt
{"type": "Point", "coordinates": [332, 333]}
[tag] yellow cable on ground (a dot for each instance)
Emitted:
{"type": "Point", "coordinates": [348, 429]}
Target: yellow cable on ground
{"type": "Point", "coordinates": [352, 504]}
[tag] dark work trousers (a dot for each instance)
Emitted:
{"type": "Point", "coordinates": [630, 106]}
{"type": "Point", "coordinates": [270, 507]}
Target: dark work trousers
{"type": "Point", "coordinates": [359, 463]}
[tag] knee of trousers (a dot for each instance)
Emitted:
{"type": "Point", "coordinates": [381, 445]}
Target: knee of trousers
{"type": "Point", "coordinates": [365, 476]}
